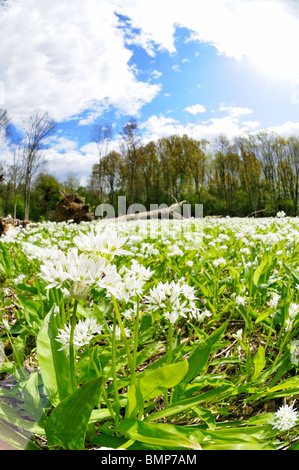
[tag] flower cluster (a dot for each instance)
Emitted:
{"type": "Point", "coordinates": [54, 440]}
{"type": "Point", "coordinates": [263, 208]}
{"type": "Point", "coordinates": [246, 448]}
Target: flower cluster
{"type": "Point", "coordinates": [75, 272]}
{"type": "Point", "coordinates": [174, 298]}
{"type": "Point", "coordinates": [83, 333]}
{"type": "Point", "coordinates": [285, 418]}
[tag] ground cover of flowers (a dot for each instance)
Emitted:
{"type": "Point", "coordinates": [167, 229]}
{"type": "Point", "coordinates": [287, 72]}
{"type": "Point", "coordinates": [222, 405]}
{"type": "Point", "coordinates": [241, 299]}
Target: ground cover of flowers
{"type": "Point", "coordinates": [151, 334]}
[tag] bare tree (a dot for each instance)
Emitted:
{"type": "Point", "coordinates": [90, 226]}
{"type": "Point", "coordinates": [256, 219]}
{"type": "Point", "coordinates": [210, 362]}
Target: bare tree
{"type": "Point", "coordinates": [37, 128]}
{"type": "Point", "coordinates": [130, 149]}
{"type": "Point", "coordinates": [101, 135]}
{"type": "Point", "coordinates": [16, 172]}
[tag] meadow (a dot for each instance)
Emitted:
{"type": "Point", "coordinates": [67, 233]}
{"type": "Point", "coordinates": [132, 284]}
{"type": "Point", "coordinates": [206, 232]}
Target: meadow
{"type": "Point", "coordinates": [157, 334]}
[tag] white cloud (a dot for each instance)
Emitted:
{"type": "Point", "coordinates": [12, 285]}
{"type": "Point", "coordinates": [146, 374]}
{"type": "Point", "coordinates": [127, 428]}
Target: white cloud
{"type": "Point", "coordinates": [286, 129]}
{"type": "Point", "coordinates": [195, 109]}
{"type": "Point", "coordinates": [251, 124]}
{"type": "Point", "coordinates": [65, 157]}
{"type": "Point", "coordinates": [67, 57]}
{"type": "Point", "coordinates": [156, 74]}
{"type": "Point", "coordinates": [143, 40]}
{"type": "Point", "coordinates": [266, 31]}
{"type": "Point", "coordinates": [176, 68]}
{"type": "Point", "coordinates": [157, 127]}
{"type": "Point", "coordinates": [235, 111]}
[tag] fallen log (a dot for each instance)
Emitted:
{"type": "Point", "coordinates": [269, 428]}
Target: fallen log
{"type": "Point", "coordinates": [170, 212]}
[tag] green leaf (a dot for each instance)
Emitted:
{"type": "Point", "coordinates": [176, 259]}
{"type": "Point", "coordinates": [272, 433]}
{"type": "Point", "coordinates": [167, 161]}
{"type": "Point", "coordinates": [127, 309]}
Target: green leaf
{"type": "Point", "coordinates": [54, 364]}
{"type": "Point", "coordinates": [259, 362]}
{"type": "Point", "coordinates": [262, 270]}
{"type": "Point", "coordinates": [154, 383]}
{"type": "Point", "coordinates": [7, 367]}
{"type": "Point", "coordinates": [200, 356]}
{"type": "Point", "coordinates": [263, 316]}
{"type": "Point", "coordinates": [32, 397]}
{"type": "Point", "coordinates": [10, 416]}
{"type": "Point", "coordinates": [13, 440]}
{"type": "Point", "coordinates": [19, 345]}
{"type": "Point", "coordinates": [135, 401]}
{"type": "Point", "coordinates": [155, 434]}
{"type": "Point", "coordinates": [67, 425]}
{"type": "Point", "coordinates": [206, 416]}
{"type": "Point", "coordinates": [188, 403]}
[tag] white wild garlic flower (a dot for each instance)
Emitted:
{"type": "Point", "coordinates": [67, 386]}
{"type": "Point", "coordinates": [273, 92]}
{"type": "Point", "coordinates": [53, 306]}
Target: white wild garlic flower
{"type": "Point", "coordinates": [83, 333]}
{"type": "Point", "coordinates": [285, 418]}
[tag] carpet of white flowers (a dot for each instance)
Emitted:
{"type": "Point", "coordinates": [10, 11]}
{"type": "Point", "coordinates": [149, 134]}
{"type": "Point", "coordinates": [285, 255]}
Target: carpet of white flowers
{"type": "Point", "coordinates": [152, 334]}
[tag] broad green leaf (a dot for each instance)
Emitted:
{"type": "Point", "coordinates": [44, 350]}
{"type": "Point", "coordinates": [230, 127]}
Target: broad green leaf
{"type": "Point", "coordinates": [155, 434]}
{"type": "Point", "coordinates": [189, 403]}
{"type": "Point", "coordinates": [10, 439]}
{"type": "Point", "coordinates": [67, 424]}
{"type": "Point", "coordinates": [200, 355]}
{"type": "Point", "coordinates": [10, 416]}
{"type": "Point", "coordinates": [7, 367]}
{"type": "Point", "coordinates": [54, 364]}
{"type": "Point", "coordinates": [154, 383]}
{"type": "Point", "coordinates": [286, 384]}
{"type": "Point", "coordinates": [259, 362]}
{"type": "Point", "coordinates": [261, 271]}
{"type": "Point", "coordinates": [135, 401]}
{"type": "Point", "coordinates": [263, 316]}
{"type": "Point", "coordinates": [32, 397]}
{"type": "Point", "coordinates": [206, 416]}
{"type": "Point", "coordinates": [19, 345]}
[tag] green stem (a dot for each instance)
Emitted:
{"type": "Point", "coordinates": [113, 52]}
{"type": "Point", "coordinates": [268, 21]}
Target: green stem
{"type": "Point", "coordinates": [130, 361]}
{"type": "Point", "coordinates": [134, 380]}
{"type": "Point", "coordinates": [169, 356]}
{"type": "Point", "coordinates": [169, 343]}
{"type": "Point", "coordinates": [270, 331]}
{"type": "Point", "coordinates": [108, 403]}
{"type": "Point", "coordinates": [117, 403]}
{"type": "Point", "coordinates": [136, 334]}
{"type": "Point", "coordinates": [71, 349]}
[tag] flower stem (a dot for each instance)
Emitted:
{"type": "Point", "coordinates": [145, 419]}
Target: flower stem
{"type": "Point", "coordinates": [169, 356]}
{"type": "Point", "coordinates": [136, 333]}
{"type": "Point", "coordinates": [130, 361]}
{"type": "Point", "coordinates": [71, 349]}
{"type": "Point", "coordinates": [117, 403]}
{"type": "Point", "coordinates": [169, 343]}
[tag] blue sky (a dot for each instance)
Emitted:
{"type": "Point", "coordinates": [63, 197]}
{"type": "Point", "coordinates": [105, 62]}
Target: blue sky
{"type": "Point", "coordinates": [194, 67]}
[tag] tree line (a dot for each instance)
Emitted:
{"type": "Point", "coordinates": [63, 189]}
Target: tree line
{"type": "Point", "coordinates": [256, 174]}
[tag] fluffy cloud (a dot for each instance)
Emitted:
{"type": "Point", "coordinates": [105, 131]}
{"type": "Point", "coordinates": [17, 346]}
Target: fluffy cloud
{"type": "Point", "coordinates": [157, 127]}
{"type": "Point", "coordinates": [265, 31]}
{"type": "Point", "coordinates": [195, 109]}
{"type": "Point", "coordinates": [67, 57]}
{"type": "Point", "coordinates": [64, 156]}
{"type": "Point", "coordinates": [235, 111]}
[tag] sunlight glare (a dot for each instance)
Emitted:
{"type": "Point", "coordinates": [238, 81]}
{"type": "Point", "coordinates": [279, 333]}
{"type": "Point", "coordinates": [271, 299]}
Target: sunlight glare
{"type": "Point", "coordinates": [272, 39]}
